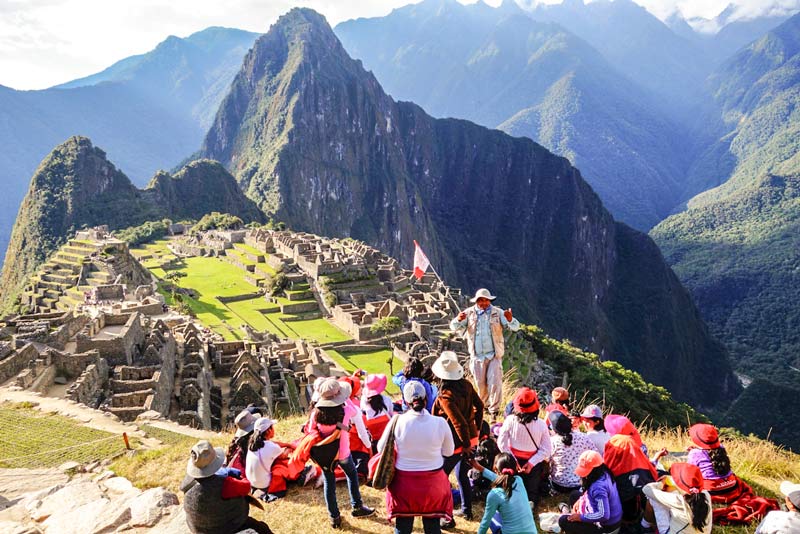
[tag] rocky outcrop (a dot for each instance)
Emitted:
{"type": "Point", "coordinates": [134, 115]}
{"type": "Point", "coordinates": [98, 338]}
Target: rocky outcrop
{"type": "Point", "coordinates": [313, 139]}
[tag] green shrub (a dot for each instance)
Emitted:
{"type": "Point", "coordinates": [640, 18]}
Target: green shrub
{"type": "Point", "coordinates": [144, 233]}
{"type": "Point", "coordinates": [217, 221]}
{"type": "Point", "coordinates": [386, 325]}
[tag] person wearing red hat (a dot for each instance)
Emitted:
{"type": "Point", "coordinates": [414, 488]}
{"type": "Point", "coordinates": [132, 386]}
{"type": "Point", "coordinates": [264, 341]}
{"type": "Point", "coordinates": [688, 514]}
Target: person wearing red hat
{"type": "Point", "coordinates": [710, 456]}
{"type": "Point", "coordinates": [679, 503]}
{"type": "Point", "coordinates": [525, 436]}
{"type": "Point", "coordinates": [596, 507]}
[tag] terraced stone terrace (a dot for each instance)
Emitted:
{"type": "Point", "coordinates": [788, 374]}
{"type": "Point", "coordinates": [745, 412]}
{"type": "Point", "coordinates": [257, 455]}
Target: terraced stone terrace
{"type": "Point", "coordinates": [230, 277]}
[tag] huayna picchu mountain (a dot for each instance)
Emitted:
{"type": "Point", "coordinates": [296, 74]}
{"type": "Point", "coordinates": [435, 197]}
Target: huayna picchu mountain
{"type": "Point", "coordinates": [76, 186]}
{"type": "Point", "coordinates": [314, 140]}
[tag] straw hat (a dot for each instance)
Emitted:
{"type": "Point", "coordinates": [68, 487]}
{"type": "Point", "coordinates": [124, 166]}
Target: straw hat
{"type": "Point", "coordinates": [482, 293]}
{"type": "Point", "coordinates": [333, 393]}
{"type": "Point", "coordinates": [447, 366]}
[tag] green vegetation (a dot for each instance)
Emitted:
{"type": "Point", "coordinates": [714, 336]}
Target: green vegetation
{"type": "Point", "coordinates": [373, 362]}
{"type": "Point", "coordinates": [30, 438]}
{"type": "Point", "coordinates": [217, 221]}
{"type": "Point", "coordinates": [386, 325]}
{"type": "Point", "coordinates": [144, 233]}
{"type": "Point", "coordinates": [592, 380]}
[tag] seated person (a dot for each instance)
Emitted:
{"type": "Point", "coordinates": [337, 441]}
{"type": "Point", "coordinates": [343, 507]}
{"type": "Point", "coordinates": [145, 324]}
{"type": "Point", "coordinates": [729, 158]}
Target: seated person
{"type": "Point", "coordinates": [267, 465]}
{"type": "Point", "coordinates": [236, 457]}
{"type": "Point", "coordinates": [596, 508]}
{"type": "Point", "coordinates": [711, 458]}
{"type": "Point", "coordinates": [216, 502]}
{"type": "Point", "coordinates": [787, 522]}
{"type": "Point", "coordinates": [507, 505]}
{"type": "Point", "coordinates": [678, 503]}
{"type": "Point", "coordinates": [592, 417]}
{"type": "Point", "coordinates": [568, 445]}
{"type": "Point", "coordinates": [632, 470]}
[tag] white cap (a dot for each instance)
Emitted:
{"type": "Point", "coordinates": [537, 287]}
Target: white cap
{"type": "Point", "coordinates": [263, 424]}
{"type": "Point", "coordinates": [413, 390]}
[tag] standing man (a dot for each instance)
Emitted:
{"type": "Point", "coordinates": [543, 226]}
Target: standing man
{"type": "Point", "coordinates": [484, 333]}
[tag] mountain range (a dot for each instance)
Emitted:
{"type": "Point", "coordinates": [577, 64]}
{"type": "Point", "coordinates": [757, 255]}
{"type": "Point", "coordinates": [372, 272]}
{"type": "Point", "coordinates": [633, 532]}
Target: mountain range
{"type": "Point", "coordinates": [149, 111]}
{"type": "Point", "coordinates": [314, 140]}
{"type": "Point", "coordinates": [658, 118]}
{"type": "Point", "coordinates": [737, 246]}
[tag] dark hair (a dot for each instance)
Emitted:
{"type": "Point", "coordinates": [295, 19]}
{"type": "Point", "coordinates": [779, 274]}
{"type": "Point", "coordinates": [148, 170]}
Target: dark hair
{"type": "Point", "coordinates": [329, 415]}
{"type": "Point", "coordinates": [698, 504]}
{"type": "Point", "coordinates": [599, 424]}
{"type": "Point", "coordinates": [505, 481]}
{"type": "Point", "coordinates": [376, 403]}
{"type": "Point", "coordinates": [527, 417]}
{"type": "Point", "coordinates": [418, 404]}
{"type": "Point", "coordinates": [458, 387]}
{"type": "Point", "coordinates": [595, 475]}
{"type": "Point", "coordinates": [720, 461]}
{"type": "Point", "coordinates": [413, 368]}
{"type": "Point", "coordinates": [237, 446]}
{"type": "Point", "coordinates": [563, 427]}
{"type": "Point", "coordinates": [258, 441]}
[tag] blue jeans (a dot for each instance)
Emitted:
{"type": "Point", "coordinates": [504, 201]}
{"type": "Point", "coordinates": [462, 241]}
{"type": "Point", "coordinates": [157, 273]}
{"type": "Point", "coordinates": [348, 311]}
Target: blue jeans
{"type": "Point", "coordinates": [404, 525]}
{"type": "Point", "coordinates": [329, 485]}
{"type": "Point", "coordinates": [464, 486]}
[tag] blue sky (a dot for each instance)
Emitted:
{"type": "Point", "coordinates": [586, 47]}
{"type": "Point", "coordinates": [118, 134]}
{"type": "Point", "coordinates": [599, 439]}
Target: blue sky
{"type": "Point", "coordinates": [47, 42]}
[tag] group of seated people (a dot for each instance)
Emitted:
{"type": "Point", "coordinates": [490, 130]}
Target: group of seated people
{"type": "Point", "coordinates": [598, 463]}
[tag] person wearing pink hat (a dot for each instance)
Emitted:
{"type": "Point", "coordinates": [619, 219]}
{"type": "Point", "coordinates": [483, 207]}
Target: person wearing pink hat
{"type": "Point", "coordinates": [374, 400]}
{"type": "Point", "coordinates": [596, 507]}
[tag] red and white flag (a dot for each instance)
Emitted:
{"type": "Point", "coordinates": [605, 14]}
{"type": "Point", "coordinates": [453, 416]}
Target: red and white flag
{"type": "Point", "coordinates": [421, 262]}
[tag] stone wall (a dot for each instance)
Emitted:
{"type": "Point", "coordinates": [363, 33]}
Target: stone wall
{"type": "Point", "coordinates": [110, 292]}
{"type": "Point", "coordinates": [12, 364]}
{"type": "Point", "coordinates": [117, 350]}
{"type": "Point", "coordinates": [73, 365]}
{"type": "Point", "coordinates": [88, 388]}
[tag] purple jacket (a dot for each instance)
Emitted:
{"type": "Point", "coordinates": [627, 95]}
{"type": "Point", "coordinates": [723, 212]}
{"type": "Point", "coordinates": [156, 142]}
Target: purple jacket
{"type": "Point", "coordinates": [700, 458]}
{"type": "Point", "coordinates": [601, 504]}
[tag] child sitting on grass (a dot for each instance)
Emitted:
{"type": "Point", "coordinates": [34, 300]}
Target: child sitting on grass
{"type": "Point", "coordinates": [507, 505]}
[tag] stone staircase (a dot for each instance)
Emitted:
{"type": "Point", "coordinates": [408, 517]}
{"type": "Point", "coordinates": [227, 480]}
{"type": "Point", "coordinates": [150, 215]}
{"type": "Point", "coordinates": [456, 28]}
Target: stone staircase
{"type": "Point", "coordinates": [63, 279]}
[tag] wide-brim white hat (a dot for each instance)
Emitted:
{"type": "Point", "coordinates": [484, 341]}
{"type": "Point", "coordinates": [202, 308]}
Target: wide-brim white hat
{"type": "Point", "coordinates": [333, 393]}
{"type": "Point", "coordinates": [482, 293]}
{"type": "Point", "coordinates": [447, 366]}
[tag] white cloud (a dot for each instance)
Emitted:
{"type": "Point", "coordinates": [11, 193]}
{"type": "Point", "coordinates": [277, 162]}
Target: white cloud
{"type": "Point", "coordinates": [46, 42]}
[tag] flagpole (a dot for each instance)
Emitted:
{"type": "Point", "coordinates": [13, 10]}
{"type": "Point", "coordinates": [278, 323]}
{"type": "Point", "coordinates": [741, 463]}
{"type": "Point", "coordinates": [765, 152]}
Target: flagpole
{"type": "Point", "coordinates": [457, 307]}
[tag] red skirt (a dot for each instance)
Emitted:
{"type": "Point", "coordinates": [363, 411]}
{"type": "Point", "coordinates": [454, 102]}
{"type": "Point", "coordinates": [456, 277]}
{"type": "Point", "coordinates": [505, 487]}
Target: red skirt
{"type": "Point", "coordinates": [419, 494]}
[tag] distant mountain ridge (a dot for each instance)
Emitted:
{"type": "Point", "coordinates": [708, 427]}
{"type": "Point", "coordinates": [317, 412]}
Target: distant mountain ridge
{"type": "Point", "coordinates": [149, 111]}
{"type": "Point", "coordinates": [312, 138]}
{"type": "Point", "coordinates": [737, 247]}
{"type": "Point", "coordinates": [76, 186]}
{"type": "Point", "coordinates": [500, 68]}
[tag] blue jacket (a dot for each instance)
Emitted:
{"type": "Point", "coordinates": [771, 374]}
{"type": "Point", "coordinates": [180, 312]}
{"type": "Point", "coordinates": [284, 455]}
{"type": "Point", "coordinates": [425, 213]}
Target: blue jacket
{"type": "Point", "coordinates": [431, 392]}
{"type": "Point", "coordinates": [601, 504]}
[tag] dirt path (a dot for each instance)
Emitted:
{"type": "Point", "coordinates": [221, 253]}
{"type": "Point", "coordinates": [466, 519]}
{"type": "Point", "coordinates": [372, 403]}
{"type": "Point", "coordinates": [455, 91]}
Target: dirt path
{"type": "Point", "coordinates": [98, 419]}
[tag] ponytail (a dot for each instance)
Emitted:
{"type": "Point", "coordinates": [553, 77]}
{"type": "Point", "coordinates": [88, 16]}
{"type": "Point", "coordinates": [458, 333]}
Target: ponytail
{"type": "Point", "coordinates": [566, 439]}
{"type": "Point", "coordinates": [698, 504]}
{"type": "Point", "coordinates": [505, 466]}
{"type": "Point", "coordinates": [257, 441]}
{"type": "Point", "coordinates": [720, 461]}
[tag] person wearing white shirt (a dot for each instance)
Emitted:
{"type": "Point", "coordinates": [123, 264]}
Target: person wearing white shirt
{"type": "Point", "coordinates": [788, 522]}
{"type": "Point", "coordinates": [592, 417]}
{"type": "Point", "coordinates": [261, 454]}
{"type": "Point", "coordinates": [526, 437]}
{"type": "Point", "coordinates": [678, 503]}
{"type": "Point", "coordinates": [419, 486]}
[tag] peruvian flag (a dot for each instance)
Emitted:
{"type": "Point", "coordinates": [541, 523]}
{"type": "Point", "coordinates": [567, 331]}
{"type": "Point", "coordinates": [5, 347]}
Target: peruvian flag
{"type": "Point", "coordinates": [421, 262]}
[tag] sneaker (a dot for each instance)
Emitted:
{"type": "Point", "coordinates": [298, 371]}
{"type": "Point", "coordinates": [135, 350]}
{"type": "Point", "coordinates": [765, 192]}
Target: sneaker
{"type": "Point", "coordinates": [447, 525]}
{"type": "Point", "coordinates": [363, 511]}
{"type": "Point", "coordinates": [563, 508]}
{"type": "Point", "coordinates": [320, 479]}
{"type": "Point", "coordinates": [308, 474]}
{"type": "Point", "coordinates": [336, 522]}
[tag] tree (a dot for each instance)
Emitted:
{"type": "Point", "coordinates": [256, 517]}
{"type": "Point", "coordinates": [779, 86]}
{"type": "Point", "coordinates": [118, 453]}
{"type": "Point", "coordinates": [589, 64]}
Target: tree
{"type": "Point", "coordinates": [386, 325]}
{"type": "Point", "coordinates": [173, 277]}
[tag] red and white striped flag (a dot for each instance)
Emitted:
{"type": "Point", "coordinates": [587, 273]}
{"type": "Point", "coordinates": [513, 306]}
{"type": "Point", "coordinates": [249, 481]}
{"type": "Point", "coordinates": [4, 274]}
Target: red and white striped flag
{"type": "Point", "coordinates": [421, 262]}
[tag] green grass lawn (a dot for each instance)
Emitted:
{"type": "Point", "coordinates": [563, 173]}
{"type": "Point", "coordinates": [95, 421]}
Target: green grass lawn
{"type": "Point", "coordinates": [32, 439]}
{"type": "Point", "coordinates": [251, 250]}
{"type": "Point", "coordinates": [318, 330]}
{"type": "Point", "coordinates": [372, 362]}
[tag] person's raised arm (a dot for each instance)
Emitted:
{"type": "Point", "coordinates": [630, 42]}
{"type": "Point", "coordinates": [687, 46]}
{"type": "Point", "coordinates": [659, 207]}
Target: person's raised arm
{"type": "Point", "coordinates": [459, 321]}
{"type": "Point", "coordinates": [509, 321]}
